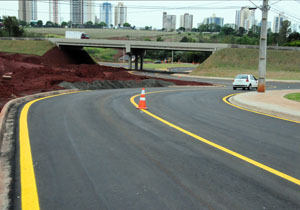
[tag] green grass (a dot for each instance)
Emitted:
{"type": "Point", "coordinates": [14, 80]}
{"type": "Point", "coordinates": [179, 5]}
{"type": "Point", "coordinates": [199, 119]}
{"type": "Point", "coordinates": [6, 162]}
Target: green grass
{"type": "Point", "coordinates": [26, 46]}
{"type": "Point", "coordinates": [284, 65]}
{"type": "Point", "coordinates": [165, 66]}
{"type": "Point", "coordinates": [293, 96]}
{"type": "Point", "coordinates": [102, 54]}
{"type": "Point", "coordinates": [104, 33]}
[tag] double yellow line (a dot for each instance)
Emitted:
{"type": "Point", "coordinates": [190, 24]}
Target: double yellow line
{"type": "Point", "coordinates": [219, 147]}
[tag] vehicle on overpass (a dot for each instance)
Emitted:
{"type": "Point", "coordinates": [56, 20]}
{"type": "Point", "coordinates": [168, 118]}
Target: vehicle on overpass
{"type": "Point", "coordinates": [76, 35]}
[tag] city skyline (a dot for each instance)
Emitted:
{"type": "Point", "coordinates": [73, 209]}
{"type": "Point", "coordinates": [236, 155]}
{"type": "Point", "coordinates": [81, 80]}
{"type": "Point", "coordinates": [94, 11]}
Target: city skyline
{"type": "Point", "coordinates": [139, 12]}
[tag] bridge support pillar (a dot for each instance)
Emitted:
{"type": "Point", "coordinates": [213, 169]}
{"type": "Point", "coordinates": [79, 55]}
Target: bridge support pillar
{"type": "Point", "coordinates": [142, 60]}
{"type": "Point", "coordinates": [138, 54]}
{"type": "Point", "coordinates": [136, 62]}
{"type": "Point", "coordinates": [130, 61]}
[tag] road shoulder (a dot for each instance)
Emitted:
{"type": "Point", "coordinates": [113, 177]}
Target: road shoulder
{"type": "Point", "coordinates": [270, 102]}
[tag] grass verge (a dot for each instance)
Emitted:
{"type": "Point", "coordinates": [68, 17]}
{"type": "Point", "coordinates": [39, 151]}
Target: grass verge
{"type": "Point", "coordinates": [167, 65]}
{"type": "Point", "coordinates": [293, 96]}
{"type": "Point", "coordinates": [283, 65]}
{"type": "Point", "coordinates": [102, 54]}
{"type": "Point", "coordinates": [31, 47]}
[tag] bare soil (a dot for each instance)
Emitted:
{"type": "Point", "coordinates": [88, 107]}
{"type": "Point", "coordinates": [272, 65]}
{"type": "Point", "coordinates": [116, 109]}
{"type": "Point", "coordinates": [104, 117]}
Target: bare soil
{"type": "Point", "coordinates": [34, 74]}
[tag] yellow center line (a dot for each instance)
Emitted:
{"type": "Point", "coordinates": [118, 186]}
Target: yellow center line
{"type": "Point", "coordinates": [29, 194]}
{"type": "Point", "coordinates": [224, 149]}
{"type": "Point", "coordinates": [225, 99]}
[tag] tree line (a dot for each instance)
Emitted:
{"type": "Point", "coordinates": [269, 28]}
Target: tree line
{"type": "Point", "coordinates": [227, 34]}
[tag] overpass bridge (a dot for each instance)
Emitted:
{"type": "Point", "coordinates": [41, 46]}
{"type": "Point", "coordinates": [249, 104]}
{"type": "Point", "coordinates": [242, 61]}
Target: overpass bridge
{"type": "Point", "coordinates": [137, 48]}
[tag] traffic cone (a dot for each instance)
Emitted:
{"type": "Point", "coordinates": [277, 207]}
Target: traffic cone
{"type": "Point", "coordinates": [142, 103]}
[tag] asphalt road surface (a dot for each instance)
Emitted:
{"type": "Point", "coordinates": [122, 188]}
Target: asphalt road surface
{"type": "Point", "coordinates": [95, 150]}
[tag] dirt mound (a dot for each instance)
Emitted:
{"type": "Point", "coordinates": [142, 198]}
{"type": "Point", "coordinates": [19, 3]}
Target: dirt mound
{"type": "Point", "coordinates": [34, 74]}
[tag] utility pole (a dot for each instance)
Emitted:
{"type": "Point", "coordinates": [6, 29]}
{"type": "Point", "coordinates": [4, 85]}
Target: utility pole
{"type": "Point", "coordinates": [263, 48]}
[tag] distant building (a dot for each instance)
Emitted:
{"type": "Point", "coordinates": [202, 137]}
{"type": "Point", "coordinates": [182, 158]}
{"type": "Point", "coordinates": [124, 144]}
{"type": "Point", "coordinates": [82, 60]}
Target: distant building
{"type": "Point", "coordinates": [169, 22]}
{"type": "Point", "coordinates": [106, 14]}
{"type": "Point", "coordinates": [120, 14]}
{"type": "Point", "coordinates": [186, 21]}
{"type": "Point", "coordinates": [76, 11]}
{"type": "Point", "coordinates": [88, 11]}
{"type": "Point", "coordinates": [27, 10]}
{"type": "Point", "coordinates": [81, 11]}
{"type": "Point", "coordinates": [245, 18]}
{"type": "Point", "coordinates": [214, 20]}
{"type": "Point", "coordinates": [269, 25]}
{"type": "Point", "coordinates": [277, 24]}
{"type": "Point", "coordinates": [54, 11]}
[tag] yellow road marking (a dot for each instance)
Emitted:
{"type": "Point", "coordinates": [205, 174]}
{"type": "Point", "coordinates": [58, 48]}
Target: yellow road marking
{"type": "Point", "coordinates": [225, 99]}
{"type": "Point", "coordinates": [29, 194]}
{"type": "Point", "coordinates": [224, 149]}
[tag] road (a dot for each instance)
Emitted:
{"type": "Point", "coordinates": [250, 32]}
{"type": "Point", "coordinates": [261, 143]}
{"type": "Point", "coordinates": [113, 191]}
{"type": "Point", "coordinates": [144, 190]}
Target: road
{"type": "Point", "coordinates": [95, 150]}
{"type": "Point", "coordinates": [170, 70]}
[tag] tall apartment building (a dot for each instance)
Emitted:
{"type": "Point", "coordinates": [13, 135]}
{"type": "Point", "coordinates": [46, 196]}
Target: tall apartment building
{"type": "Point", "coordinates": [76, 11]}
{"type": "Point", "coordinates": [169, 22]}
{"type": "Point", "coordinates": [81, 11]}
{"type": "Point", "coordinates": [89, 11]}
{"type": "Point", "coordinates": [120, 14]}
{"type": "Point", "coordinates": [186, 21]}
{"type": "Point", "coordinates": [214, 20]}
{"type": "Point", "coordinates": [27, 10]}
{"type": "Point", "coordinates": [277, 24]}
{"type": "Point", "coordinates": [106, 14]}
{"type": "Point", "coordinates": [54, 11]}
{"type": "Point", "coordinates": [245, 18]}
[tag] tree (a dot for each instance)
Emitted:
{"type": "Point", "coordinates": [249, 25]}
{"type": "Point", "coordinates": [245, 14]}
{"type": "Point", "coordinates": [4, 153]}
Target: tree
{"type": "Point", "coordinates": [102, 25]}
{"type": "Point", "coordinates": [241, 31]}
{"type": "Point", "coordinates": [203, 28]}
{"type": "Point", "coordinates": [64, 24]}
{"type": "Point", "coordinates": [295, 36]}
{"type": "Point", "coordinates": [227, 30]}
{"type": "Point", "coordinates": [181, 29]}
{"type": "Point", "coordinates": [70, 24]}
{"type": "Point", "coordinates": [49, 24]}
{"type": "Point", "coordinates": [214, 27]}
{"type": "Point", "coordinates": [40, 23]}
{"type": "Point", "coordinates": [126, 25]}
{"type": "Point", "coordinates": [284, 31]}
{"type": "Point", "coordinates": [11, 26]}
{"type": "Point", "coordinates": [89, 24]}
{"type": "Point", "coordinates": [23, 23]}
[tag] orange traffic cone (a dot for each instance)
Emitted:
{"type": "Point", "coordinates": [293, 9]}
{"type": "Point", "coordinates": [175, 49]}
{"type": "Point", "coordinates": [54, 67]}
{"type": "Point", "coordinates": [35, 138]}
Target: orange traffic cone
{"type": "Point", "coordinates": [142, 103]}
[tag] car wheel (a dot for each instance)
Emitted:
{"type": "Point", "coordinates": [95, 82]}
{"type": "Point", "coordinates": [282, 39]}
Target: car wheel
{"type": "Point", "coordinates": [250, 87]}
{"type": "Point", "coordinates": [243, 88]}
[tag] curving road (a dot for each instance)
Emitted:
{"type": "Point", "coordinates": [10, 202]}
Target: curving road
{"type": "Point", "coordinates": [95, 150]}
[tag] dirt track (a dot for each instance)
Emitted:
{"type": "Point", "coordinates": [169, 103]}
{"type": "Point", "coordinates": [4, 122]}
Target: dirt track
{"type": "Point", "coordinates": [33, 74]}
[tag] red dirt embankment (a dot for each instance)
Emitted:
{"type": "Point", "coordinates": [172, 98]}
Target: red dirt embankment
{"type": "Point", "coordinates": [33, 74]}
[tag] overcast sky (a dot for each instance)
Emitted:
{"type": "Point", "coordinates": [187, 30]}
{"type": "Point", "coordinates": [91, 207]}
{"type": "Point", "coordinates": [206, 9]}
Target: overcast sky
{"type": "Point", "coordinates": [149, 13]}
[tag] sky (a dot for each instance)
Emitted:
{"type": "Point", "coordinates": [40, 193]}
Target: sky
{"type": "Point", "coordinates": [149, 13]}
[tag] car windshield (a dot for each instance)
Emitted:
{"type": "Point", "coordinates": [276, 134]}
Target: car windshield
{"type": "Point", "coordinates": [241, 77]}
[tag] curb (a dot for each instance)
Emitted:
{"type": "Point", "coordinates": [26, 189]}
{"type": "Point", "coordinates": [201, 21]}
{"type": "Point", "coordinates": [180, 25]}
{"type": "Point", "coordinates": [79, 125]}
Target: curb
{"type": "Point", "coordinates": [236, 101]}
{"type": "Point", "coordinates": [7, 144]}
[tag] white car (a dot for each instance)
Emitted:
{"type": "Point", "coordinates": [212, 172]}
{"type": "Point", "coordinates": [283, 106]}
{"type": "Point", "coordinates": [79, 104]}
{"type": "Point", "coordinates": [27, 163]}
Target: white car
{"type": "Point", "coordinates": [244, 81]}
